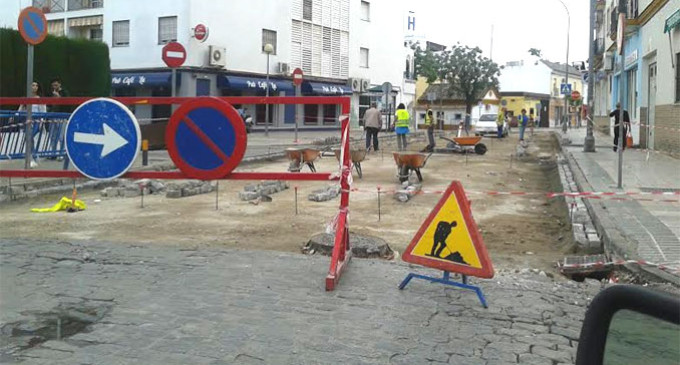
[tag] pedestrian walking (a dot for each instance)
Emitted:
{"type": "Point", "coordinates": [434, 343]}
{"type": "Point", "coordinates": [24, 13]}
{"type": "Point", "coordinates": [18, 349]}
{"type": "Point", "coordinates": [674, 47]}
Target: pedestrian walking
{"type": "Point", "coordinates": [468, 122]}
{"type": "Point", "coordinates": [372, 125]}
{"type": "Point", "coordinates": [401, 125]}
{"type": "Point", "coordinates": [36, 92]}
{"type": "Point", "coordinates": [626, 125]}
{"type": "Point", "coordinates": [429, 124]}
{"type": "Point", "coordinates": [522, 121]}
{"type": "Point", "coordinates": [56, 130]}
{"type": "Point", "coordinates": [500, 122]}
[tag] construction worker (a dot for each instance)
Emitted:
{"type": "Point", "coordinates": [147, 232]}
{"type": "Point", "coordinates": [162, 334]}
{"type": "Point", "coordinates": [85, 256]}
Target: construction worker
{"type": "Point", "coordinates": [429, 124]}
{"type": "Point", "coordinates": [401, 126]}
{"type": "Point", "coordinates": [500, 122]}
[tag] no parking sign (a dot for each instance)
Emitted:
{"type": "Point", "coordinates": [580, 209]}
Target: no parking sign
{"type": "Point", "coordinates": [206, 138]}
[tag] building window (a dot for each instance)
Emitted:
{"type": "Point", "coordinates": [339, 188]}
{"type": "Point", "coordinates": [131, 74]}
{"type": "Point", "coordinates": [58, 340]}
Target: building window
{"type": "Point", "coordinates": [121, 33]}
{"type": "Point", "coordinates": [311, 116]}
{"type": "Point", "coordinates": [50, 6]}
{"type": "Point", "coordinates": [269, 36]}
{"type": "Point", "coordinates": [363, 57]}
{"type": "Point", "coordinates": [307, 10]}
{"type": "Point", "coordinates": [677, 77]}
{"type": "Point", "coordinates": [365, 11]}
{"type": "Point", "coordinates": [56, 27]}
{"type": "Point", "coordinates": [84, 4]}
{"type": "Point", "coordinates": [96, 34]}
{"type": "Point", "coordinates": [167, 29]}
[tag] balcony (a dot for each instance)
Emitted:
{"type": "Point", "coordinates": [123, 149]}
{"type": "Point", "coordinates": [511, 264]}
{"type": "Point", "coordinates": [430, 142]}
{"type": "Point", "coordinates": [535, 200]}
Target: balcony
{"type": "Point", "coordinates": [84, 4]}
{"type": "Point", "coordinates": [50, 6]}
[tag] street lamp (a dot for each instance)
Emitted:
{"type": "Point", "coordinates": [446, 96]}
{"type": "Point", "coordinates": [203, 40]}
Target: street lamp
{"type": "Point", "coordinates": [268, 49]}
{"type": "Point", "coordinates": [589, 142]}
{"type": "Point", "coordinates": [566, 70]}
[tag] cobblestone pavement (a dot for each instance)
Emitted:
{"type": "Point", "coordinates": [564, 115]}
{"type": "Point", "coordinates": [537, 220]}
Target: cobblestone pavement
{"type": "Point", "coordinates": [125, 304]}
{"type": "Point", "coordinates": [649, 230]}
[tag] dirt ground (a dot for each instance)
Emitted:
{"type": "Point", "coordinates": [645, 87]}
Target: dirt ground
{"type": "Point", "coordinates": [529, 231]}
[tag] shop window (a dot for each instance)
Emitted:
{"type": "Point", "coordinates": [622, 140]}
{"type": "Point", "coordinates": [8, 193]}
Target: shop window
{"type": "Point", "coordinates": [311, 116]}
{"type": "Point", "coordinates": [330, 114]}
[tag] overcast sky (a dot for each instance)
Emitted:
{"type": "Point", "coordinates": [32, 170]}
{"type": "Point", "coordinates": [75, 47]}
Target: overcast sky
{"type": "Point", "coordinates": [518, 25]}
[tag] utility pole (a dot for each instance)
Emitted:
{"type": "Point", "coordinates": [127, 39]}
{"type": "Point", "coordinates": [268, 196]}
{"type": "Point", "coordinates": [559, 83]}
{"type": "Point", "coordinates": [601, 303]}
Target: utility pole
{"type": "Point", "coordinates": [589, 142]}
{"type": "Point", "coordinates": [566, 71]}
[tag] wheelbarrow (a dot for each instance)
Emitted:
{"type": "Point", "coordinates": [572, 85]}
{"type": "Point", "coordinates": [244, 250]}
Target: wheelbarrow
{"type": "Point", "coordinates": [465, 145]}
{"type": "Point", "coordinates": [300, 156]}
{"type": "Point", "coordinates": [357, 157]}
{"type": "Point", "coordinates": [408, 162]}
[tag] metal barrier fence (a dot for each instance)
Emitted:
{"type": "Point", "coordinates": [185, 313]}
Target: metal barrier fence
{"type": "Point", "coordinates": [47, 131]}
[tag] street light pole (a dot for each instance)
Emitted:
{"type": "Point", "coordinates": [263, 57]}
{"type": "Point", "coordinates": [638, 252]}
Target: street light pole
{"type": "Point", "coordinates": [566, 69]}
{"type": "Point", "coordinates": [589, 142]}
{"type": "Point", "coordinates": [268, 49]}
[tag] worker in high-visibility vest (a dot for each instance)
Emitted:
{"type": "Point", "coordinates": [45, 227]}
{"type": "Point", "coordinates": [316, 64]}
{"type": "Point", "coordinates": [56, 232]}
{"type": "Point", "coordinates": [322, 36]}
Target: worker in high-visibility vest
{"type": "Point", "coordinates": [429, 124]}
{"type": "Point", "coordinates": [401, 126]}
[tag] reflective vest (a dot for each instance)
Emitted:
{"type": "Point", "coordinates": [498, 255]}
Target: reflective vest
{"type": "Point", "coordinates": [402, 118]}
{"type": "Point", "coordinates": [428, 119]}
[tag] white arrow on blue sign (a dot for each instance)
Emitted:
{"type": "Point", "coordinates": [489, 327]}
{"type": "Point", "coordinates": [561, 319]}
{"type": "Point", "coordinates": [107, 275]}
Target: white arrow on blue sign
{"type": "Point", "coordinates": [102, 139]}
{"type": "Point", "coordinates": [565, 89]}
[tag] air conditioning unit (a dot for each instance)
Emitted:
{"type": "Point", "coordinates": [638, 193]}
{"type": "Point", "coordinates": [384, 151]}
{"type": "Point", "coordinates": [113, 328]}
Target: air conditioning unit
{"type": "Point", "coordinates": [365, 85]}
{"type": "Point", "coordinates": [355, 84]}
{"type": "Point", "coordinates": [608, 61]}
{"type": "Point", "coordinates": [284, 68]}
{"type": "Point", "coordinates": [217, 56]}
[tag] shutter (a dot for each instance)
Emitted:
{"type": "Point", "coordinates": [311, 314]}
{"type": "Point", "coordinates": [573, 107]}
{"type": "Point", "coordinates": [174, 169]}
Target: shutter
{"type": "Point", "coordinates": [307, 48]}
{"type": "Point", "coordinates": [316, 11]}
{"type": "Point", "coordinates": [337, 69]}
{"type": "Point", "coordinates": [344, 54]}
{"type": "Point", "coordinates": [296, 44]}
{"type": "Point", "coordinates": [335, 14]}
{"type": "Point", "coordinates": [317, 49]}
{"type": "Point", "coordinates": [344, 15]}
{"type": "Point", "coordinates": [326, 14]}
{"type": "Point", "coordinates": [296, 10]}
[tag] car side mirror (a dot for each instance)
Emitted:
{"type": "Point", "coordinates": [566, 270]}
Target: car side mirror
{"type": "Point", "coordinates": [627, 324]}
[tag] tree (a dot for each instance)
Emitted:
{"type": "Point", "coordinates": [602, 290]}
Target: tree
{"type": "Point", "coordinates": [426, 63]}
{"type": "Point", "coordinates": [535, 52]}
{"type": "Point", "coordinates": [467, 73]}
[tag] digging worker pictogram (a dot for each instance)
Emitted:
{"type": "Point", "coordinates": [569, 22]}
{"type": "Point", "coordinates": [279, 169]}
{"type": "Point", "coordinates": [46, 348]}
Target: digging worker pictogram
{"type": "Point", "coordinates": [441, 234]}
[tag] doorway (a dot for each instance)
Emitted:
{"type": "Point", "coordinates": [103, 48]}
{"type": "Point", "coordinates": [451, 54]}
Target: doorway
{"type": "Point", "coordinates": [651, 105]}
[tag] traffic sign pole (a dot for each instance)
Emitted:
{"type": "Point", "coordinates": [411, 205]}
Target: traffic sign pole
{"type": "Point", "coordinates": [29, 109]}
{"type": "Point", "coordinates": [298, 111]}
{"type": "Point", "coordinates": [174, 87]}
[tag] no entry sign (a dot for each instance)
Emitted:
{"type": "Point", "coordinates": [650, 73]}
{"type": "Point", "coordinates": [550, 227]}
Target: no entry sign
{"type": "Point", "coordinates": [174, 54]}
{"type": "Point", "coordinates": [297, 77]}
{"type": "Point", "coordinates": [206, 138]}
{"type": "Point", "coordinates": [32, 25]}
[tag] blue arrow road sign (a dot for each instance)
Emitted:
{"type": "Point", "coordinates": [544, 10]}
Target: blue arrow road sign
{"type": "Point", "coordinates": [102, 139]}
{"type": "Point", "coordinates": [565, 89]}
{"type": "Point", "coordinates": [584, 77]}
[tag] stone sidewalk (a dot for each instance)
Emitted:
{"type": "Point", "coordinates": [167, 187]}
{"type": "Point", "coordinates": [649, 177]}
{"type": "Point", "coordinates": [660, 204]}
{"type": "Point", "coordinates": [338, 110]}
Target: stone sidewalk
{"type": "Point", "coordinates": [163, 304]}
{"type": "Point", "coordinates": [633, 229]}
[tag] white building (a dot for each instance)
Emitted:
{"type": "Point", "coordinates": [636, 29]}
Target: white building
{"type": "Point", "coordinates": [344, 47]}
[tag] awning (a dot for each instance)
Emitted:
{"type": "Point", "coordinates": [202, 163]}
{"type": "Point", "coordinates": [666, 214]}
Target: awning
{"type": "Point", "coordinates": [86, 21]}
{"type": "Point", "coordinates": [141, 79]}
{"type": "Point", "coordinates": [320, 88]}
{"type": "Point", "coordinates": [672, 21]}
{"type": "Point", "coordinates": [254, 83]}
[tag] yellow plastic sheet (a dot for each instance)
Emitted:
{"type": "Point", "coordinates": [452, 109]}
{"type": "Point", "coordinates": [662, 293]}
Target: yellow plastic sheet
{"type": "Point", "coordinates": [64, 204]}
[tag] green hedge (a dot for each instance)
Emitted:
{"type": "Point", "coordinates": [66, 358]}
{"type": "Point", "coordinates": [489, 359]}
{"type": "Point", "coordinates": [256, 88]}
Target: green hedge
{"type": "Point", "coordinates": [82, 65]}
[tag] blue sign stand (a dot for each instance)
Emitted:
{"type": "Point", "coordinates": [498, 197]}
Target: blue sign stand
{"type": "Point", "coordinates": [102, 139]}
{"type": "Point", "coordinates": [447, 281]}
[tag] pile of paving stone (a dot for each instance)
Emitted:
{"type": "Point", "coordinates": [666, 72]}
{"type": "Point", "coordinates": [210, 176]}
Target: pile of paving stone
{"type": "Point", "coordinates": [362, 246]}
{"type": "Point", "coordinates": [130, 189]}
{"type": "Point", "coordinates": [408, 190]}
{"type": "Point", "coordinates": [262, 190]}
{"type": "Point", "coordinates": [322, 195]}
{"type": "Point", "coordinates": [188, 188]}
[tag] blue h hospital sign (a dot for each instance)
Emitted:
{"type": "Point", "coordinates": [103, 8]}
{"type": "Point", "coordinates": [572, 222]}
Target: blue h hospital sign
{"type": "Point", "coordinates": [411, 21]}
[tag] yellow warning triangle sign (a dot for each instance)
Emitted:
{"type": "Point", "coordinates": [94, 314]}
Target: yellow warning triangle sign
{"type": "Point", "coordinates": [449, 239]}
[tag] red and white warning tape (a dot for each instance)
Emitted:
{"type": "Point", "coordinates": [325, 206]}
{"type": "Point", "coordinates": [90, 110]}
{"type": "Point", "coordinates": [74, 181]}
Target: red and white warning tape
{"type": "Point", "coordinates": [596, 265]}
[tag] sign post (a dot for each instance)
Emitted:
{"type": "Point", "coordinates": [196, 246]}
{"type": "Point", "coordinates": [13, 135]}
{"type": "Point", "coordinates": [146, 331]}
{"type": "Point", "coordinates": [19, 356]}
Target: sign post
{"type": "Point", "coordinates": [298, 76]}
{"type": "Point", "coordinates": [387, 90]}
{"type": "Point", "coordinates": [33, 29]}
{"type": "Point", "coordinates": [620, 44]}
{"type": "Point", "coordinates": [174, 56]}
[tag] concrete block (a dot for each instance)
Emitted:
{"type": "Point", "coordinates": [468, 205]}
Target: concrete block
{"type": "Point", "coordinates": [131, 193]}
{"type": "Point", "coordinates": [248, 195]}
{"type": "Point", "coordinates": [206, 188]}
{"type": "Point", "coordinates": [250, 188]}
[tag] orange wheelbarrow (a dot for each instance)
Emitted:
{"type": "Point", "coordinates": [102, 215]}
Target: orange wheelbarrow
{"type": "Point", "coordinates": [357, 157]}
{"type": "Point", "coordinates": [408, 162]}
{"type": "Point", "coordinates": [465, 145]}
{"type": "Point", "coordinates": [300, 156]}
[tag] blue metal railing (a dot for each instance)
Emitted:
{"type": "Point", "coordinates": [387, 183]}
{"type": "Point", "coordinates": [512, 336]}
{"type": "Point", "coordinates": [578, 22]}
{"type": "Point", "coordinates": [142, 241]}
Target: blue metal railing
{"type": "Point", "coordinates": [47, 132]}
